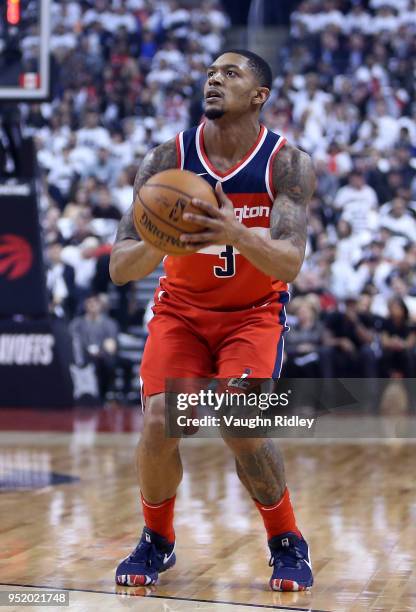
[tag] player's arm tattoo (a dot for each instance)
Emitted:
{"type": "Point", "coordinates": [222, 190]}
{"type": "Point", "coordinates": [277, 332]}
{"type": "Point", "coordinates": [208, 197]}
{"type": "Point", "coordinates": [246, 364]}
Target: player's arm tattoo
{"type": "Point", "coordinates": [160, 158]}
{"type": "Point", "coordinates": [262, 473]}
{"type": "Point", "coordinates": [294, 183]}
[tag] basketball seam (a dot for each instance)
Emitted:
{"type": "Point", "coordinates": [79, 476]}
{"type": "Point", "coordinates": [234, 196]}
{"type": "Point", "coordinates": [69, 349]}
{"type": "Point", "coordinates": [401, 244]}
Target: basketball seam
{"type": "Point", "coordinates": [149, 210]}
{"type": "Point", "coordinates": [171, 188]}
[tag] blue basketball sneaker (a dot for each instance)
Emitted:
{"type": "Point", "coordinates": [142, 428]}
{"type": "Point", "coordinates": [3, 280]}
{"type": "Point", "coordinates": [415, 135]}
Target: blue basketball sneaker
{"type": "Point", "coordinates": [153, 555]}
{"type": "Point", "coordinates": [292, 568]}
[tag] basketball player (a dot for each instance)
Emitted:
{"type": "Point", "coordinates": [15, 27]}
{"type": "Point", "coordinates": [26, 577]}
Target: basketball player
{"type": "Point", "coordinates": [220, 312]}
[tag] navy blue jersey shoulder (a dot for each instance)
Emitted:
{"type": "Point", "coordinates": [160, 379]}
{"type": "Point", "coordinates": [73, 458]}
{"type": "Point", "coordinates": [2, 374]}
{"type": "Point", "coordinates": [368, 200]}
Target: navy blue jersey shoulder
{"type": "Point", "coordinates": [249, 177]}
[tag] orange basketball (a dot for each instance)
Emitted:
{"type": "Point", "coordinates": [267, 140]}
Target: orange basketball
{"type": "Point", "coordinates": [161, 203]}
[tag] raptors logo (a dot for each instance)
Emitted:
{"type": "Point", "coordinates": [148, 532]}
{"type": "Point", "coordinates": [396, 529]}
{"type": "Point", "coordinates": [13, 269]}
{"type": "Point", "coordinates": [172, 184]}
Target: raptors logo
{"type": "Point", "coordinates": [16, 256]}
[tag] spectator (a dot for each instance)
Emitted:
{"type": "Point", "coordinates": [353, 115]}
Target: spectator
{"type": "Point", "coordinates": [93, 135]}
{"type": "Point", "coordinates": [121, 150]}
{"type": "Point", "coordinates": [396, 217]}
{"type": "Point", "coordinates": [148, 48]}
{"type": "Point", "coordinates": [336, 158]}
{"type": "Point", "coordinates": [398, 340]}
{"type": "Point", "coordinates": [400, 288]}
{"type": "Point", "coordinates": [104, 207]}
{"type": "Point", "coordinates": [358, 203]}
{"type": "Point", "coordinates": [122, 193]}
{"type": "Point", "coordinates": [61, 178]}
{"type": "Point", "coordinates": [303, 344]}
{"type": "Point", "coordinates": [60, 282]}
{"type": "Point", "coordinates": [51, 230]}
{"type": "Point", "coordinates": [105, 168]}
{"type": "Point", "coordinates": [94, 336]}
{"type": "Point", "coordinates": [80, 258]}
{"type": "Point", "coordinates": [401, 162]}
{"type": "Point", "coordinates": [348, 337]}
{"type": "Point", "coordinates": [327, 183]}
{"type": "Point", "coordinates": [349, 245]}
{"type": "Point", "coordinates": [386, 127]}
{"type": "Point", "coordinates": [79, 203]}
{"type": "Point", "coordinates": [357, 19]}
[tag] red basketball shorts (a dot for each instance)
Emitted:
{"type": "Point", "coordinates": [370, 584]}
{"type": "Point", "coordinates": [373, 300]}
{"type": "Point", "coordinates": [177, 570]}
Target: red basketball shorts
{"type": "Point", "coordinates": [188, 342]}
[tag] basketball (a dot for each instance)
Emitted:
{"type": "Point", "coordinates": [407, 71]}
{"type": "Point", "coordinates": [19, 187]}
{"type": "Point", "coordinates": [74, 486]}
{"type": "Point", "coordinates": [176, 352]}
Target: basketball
{"type": "Point", "coordinates": [160, 205]}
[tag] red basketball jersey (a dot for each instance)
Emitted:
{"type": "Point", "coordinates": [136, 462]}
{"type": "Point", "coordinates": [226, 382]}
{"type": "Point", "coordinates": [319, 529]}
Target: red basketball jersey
{"type": "Point", "coordinates": [219, 277]}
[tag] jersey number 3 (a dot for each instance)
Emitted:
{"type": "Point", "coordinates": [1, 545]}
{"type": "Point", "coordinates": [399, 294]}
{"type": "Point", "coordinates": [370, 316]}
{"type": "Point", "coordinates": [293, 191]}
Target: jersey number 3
{"type": "Point", "coordinates": [228, 267]}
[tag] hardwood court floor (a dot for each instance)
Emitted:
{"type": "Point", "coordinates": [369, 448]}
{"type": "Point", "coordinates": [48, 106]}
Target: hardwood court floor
{"type": "Point", "coordinates": [356, 503]}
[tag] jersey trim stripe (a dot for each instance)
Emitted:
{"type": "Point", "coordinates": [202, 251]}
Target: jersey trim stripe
{"type": "Point", "coordinates": [178, 152]}
{"type": "Point", "coordinates": [269, 168]}
{"type": "Point", "coordinates": [277, 370]}
{"type": "Point", "coordinates": [142, 395]}
{"type": "Point", "coordinates": [224, 176]}
{"type": "Point", "coordinates": [280, 349]}
{"type": "Point", "coordinates": [180, 156]}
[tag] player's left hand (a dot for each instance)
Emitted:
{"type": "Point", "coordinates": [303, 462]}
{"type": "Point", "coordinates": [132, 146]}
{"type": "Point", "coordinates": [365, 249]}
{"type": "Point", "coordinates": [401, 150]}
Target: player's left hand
{"type": "Point", "coordinates": [220, 224]}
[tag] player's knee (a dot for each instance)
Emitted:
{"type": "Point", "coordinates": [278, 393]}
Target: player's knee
{"type": "Point", "coordinates": [154, 426]}
{"type": "Point", "coordinates": [154, 422]}
{"type": "Point", "coordinates": [154, 430]}
{"type": "Point", "coordinates": [155, 439]}
{"type": "Point", "coordinates": [243, 445]}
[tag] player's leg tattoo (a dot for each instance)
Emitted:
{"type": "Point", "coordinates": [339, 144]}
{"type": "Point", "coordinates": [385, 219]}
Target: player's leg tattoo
{"type": "Point", "coordinates": [243, 478]}
{"type": "Point", "coordinates": [260, 468]}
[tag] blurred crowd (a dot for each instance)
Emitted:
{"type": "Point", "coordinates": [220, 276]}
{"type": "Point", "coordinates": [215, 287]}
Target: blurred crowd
{"type": "Point", "coordinates": [345, 93]}
{"type": "Point", "coordinates": [128, 75]}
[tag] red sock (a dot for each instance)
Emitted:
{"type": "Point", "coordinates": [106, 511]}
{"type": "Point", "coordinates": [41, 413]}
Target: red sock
{"type": "Point", "coordinates": [279, 518]}
{"type": "Point", "coordinates": [159, 517]}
